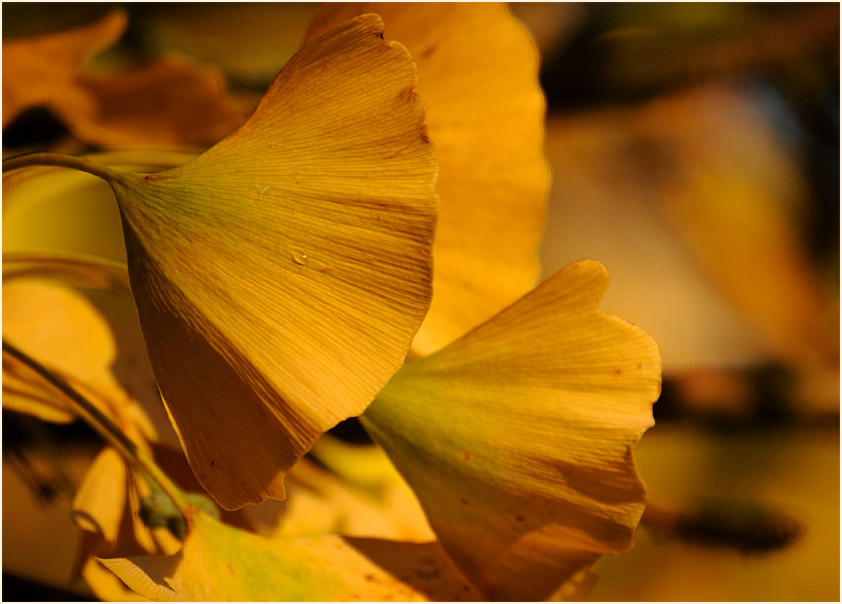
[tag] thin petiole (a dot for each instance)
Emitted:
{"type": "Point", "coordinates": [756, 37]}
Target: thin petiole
{"type": "Point", "coordinates": [67, 261]}
{"type": "Point", "coordinates": [61, 160]}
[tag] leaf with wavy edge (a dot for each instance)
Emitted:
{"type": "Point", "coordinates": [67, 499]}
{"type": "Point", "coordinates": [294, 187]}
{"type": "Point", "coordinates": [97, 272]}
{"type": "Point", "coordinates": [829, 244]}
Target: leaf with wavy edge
{"type": "Point", "coordinates": [478, 76]}
{"type": "Point", "coordinates": [517, 438]}
{"type": "Point", "coordinates": [281, 275]}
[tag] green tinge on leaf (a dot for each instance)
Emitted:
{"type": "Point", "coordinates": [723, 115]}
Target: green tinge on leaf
{"type": "Point", "coordinates": [157, 510]}
{"type": "Point", "coordinates": [517, 438]}
{"type": "Point", "coordinates": [222, 563]}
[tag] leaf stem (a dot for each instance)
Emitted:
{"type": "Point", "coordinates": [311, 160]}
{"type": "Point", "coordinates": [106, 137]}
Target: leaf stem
{"type": "Point", "coordinates": [61, 160]}
{"type": "Point", "coordinates": [92, 267]}
{"type": "Point", "coordinates": [109, 431]}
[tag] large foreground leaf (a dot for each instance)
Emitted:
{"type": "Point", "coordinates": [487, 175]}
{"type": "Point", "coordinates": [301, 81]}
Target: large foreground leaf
{"type": "Point", "coordinates": [281, 275]}
{"type": "Point", "coordinates": [517, 438]}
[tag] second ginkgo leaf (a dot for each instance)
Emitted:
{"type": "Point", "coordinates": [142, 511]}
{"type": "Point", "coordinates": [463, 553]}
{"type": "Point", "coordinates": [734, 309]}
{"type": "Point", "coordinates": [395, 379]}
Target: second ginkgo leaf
{"type": "Point", "coordinates": [517, 438]}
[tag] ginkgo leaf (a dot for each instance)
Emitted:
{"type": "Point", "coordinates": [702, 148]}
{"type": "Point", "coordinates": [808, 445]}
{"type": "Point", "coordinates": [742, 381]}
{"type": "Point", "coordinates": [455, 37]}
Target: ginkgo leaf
{"type": "Point", "coordinates": [280, 276]}
{"type": "Point", "coordinates": [478, 76]}
{"type": "Point", "coordinates": [62, 235]}
{"type": "Point", "coordinates": [166, 102]}
{"type": "Point", "coordinates": [222, 563]}
{"type": "Point", "coordinates": [106, 586]}
{"type": "Point", "coordinates": [517, 438]}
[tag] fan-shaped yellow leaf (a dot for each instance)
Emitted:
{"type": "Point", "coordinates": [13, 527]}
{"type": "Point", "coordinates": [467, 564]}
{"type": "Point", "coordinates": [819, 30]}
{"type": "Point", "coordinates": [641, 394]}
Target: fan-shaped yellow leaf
{"type": "Point", "coordinates": [281, 275]}
{"type": "Point", "coordinates": [222, 563]}
{"type": "Point", "coordinates": [478, 76]}
{"type": "Point", "coordinates": [517, 437]}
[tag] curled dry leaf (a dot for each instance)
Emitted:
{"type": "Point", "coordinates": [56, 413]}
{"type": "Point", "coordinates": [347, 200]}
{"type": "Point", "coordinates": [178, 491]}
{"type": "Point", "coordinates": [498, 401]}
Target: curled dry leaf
{"type": "Point", "coordinates": [222, 563]}
{"type": "Point", "coordinates": [517, 438]}
{"type": "Point", "coordinates": [169, 102]}
{"type": "Point", "coordinates": [478, 76]}
{"type": "Point", "coordinates": [128, 537]}
{"type": "Point", "coordinates": [280, 276]}
{"type": "Point", "coordinates": [100, 500]}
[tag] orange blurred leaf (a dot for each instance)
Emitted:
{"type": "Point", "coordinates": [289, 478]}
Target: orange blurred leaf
{"type": "Point", "coordinates": [170, 102]}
